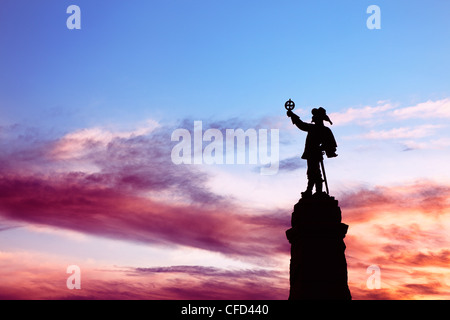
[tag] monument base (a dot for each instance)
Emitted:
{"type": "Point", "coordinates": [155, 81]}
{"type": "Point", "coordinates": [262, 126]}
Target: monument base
{"type": "Point", "coordinates": [318, 268]}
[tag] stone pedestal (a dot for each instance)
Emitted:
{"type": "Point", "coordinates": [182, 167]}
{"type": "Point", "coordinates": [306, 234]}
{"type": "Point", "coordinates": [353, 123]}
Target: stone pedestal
{"type": "Point", "coordinates": [318, 268]}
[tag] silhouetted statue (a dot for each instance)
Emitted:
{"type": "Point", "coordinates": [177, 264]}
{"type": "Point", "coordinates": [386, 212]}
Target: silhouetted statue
{"type": "Point", "coordinates": [319, 141]}
{"type": "Point", "coordinates": [318, 267]}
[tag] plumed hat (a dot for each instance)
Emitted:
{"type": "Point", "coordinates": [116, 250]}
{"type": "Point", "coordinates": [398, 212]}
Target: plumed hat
{"type": "Point", "coordinates": [321, 114]}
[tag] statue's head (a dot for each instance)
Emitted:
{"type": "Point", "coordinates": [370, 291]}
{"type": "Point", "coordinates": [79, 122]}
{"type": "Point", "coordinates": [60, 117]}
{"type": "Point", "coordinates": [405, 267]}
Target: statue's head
{"type": "Point", "coordinates": [320, 115]}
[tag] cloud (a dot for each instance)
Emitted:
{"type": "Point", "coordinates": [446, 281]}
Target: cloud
{"type": "Point", "coordinates": [123, 187]}
{"type": "Point", "coordinates": [376, 294]}
{"type": "Point", "coordinates": [400, 133]}
{"type": "Point", "coordinates": [410, 291]}
{"type": "Point", "coordinates": [361, 115]}
{"type": "Point", "coordinates": [288, 165]}
{"type": "Point", "coordinates": [426, 197]}
{"type": "Point", "coordinates": [403, 229]}
{"type": "Point", "coordinates": [435, 144]}
{"type": "Point", "coordinates": [426, 110]}
{"type": "Point", "coordinates": [75, 144]}
{"type": "Point", "coordinates": [6, 227]}
{"type": "Point", "coordinates": [292, 164]}
{"type": "Point", "coordinates": [417, 289]}
{"type": "Point", "coordinates": [386, 111]}
{"type": "Point", "coordinates": [31, 276]}
{"type": "Point", "coordinates": [440, 258]}
{"type": "Point", "coordinates": [134, 193]}
{"type": "Point", "coordinates": [210, 272]}
{"type": "Point", "coordinates": [82, 203]}
{"type": "Point", "coordinates": [407, 234]}
{"type": "Point", "coordinates": [414, 127]}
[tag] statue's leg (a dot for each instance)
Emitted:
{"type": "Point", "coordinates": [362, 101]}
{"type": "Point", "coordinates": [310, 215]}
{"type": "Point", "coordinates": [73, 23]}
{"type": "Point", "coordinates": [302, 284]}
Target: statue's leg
{"type": "Point", "coordinates": [309, 188]}
{"type": "Point", "coordinates": [314, 175]}
{"type": "Point", "coordinates": [319, 186]}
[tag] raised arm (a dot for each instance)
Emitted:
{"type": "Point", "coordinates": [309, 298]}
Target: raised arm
{"type": "Point", "coordinates": [298, 122]}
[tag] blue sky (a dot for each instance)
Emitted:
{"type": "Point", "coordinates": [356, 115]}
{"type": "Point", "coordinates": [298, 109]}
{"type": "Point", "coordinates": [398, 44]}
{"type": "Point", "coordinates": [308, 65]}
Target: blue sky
{"type": "Point", "coordinates": [84, 103]}
{"type": "Point", "coordinates": [215, 58]}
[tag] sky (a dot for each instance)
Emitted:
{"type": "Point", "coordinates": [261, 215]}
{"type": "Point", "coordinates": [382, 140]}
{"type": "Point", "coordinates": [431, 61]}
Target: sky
{"type": "Point", "coordinates": [87, 122]}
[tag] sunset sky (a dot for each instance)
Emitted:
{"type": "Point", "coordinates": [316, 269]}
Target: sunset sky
{"type": "Point", "coordinates": [87, 116]}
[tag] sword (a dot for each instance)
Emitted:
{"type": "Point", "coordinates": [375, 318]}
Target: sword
{"type": "Point", "coordinates": [324, 176]}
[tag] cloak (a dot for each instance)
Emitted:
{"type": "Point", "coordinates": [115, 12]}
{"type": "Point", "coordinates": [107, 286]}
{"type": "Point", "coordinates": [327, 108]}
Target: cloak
{"type": "Point", "coordinates": [319, 138]}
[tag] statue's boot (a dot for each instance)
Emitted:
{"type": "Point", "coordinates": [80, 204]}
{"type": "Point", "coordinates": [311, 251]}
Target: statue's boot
{"type": "Point", "coordinates": [319, 187]}
{"type": "Point", "coordinates": [308, 192]}
{"type": "Point", "coordinates": [319, 192]}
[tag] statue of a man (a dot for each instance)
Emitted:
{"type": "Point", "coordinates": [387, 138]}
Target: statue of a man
{"type": "Point", "coordinates": [319, 141]}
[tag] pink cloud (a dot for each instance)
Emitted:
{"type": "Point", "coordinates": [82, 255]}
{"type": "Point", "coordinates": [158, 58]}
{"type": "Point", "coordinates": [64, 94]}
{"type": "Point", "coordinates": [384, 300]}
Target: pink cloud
{"type": "Point", "coordinates": [131, 196]}
{"type": "Point", "coordinates": [441, 258]}
{"type": "Point", "coordinates": [365, 204]}
{"type": "Point", "coordinates": [404, 230]}
{"type": "Point", "coordinates": [80, 202]}
{"type": "Point", "coordinates": [420, 131]}
{"type": "Point", "coordinates": [384, 110]}
{"type": "Point", "coordinates": [29, 278]}
{"type": "Point", "coordinates": [429, 109]}
{"type": "Point", "coordinates": [131, 191]}
{"type": "Point", "coordinates": [362, 115]}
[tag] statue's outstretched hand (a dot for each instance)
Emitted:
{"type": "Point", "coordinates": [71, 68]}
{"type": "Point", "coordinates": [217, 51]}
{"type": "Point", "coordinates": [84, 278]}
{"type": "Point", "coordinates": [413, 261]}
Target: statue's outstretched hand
{"type": "Point", "coordinates": [289, 113]}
